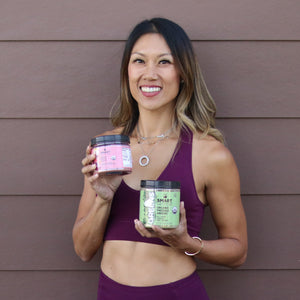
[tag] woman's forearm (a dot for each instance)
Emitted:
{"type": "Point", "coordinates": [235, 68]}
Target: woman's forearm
{"type": "Point", "coordinates": [229, 252]}
{"type": "Point", "coordinates": [88, 232]}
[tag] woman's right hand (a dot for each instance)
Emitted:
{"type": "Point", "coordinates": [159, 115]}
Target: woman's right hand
{"type": "Point", "coordinates": [104, 185]}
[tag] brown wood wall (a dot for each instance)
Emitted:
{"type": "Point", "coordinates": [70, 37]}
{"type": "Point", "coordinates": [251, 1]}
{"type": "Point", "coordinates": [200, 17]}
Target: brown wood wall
{"type": "Point", "coordinates": [59, 64]}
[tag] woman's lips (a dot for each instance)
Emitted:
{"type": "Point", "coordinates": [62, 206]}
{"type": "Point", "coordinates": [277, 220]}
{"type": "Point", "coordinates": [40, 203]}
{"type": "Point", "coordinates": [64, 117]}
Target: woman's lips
{"type": "Point", "coordinates": [150, 91]}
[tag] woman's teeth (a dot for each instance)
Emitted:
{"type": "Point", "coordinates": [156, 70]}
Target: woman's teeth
{"type": "Point", "coordinates": [148, 89]}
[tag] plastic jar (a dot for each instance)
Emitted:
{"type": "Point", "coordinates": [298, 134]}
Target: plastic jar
{"type": "Point", "coordinates": [160, 203]}
{"type": "Point", "coordinates": [113, 154]}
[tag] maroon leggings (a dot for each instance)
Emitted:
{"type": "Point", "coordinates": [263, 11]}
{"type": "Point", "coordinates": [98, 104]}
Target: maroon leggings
{"type": "Point", "coordinates": [189, 288]}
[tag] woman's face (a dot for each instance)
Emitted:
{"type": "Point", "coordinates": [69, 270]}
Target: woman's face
{"type": "Point", "coordinates": [153, 76]}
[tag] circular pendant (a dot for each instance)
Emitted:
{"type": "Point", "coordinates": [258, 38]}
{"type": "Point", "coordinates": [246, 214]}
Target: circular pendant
{"type": "Point", "coordinates": [144, 160]}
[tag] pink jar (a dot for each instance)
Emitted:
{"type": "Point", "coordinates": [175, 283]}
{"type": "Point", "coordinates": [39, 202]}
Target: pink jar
{"type": "Point", "coordinates": [113, 154]}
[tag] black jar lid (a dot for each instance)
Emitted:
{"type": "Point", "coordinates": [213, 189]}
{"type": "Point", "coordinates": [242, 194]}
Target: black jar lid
{"type": "Point", "coordinates": [160, 184]}
{"type": "Point", "coordinates": [110, 139]}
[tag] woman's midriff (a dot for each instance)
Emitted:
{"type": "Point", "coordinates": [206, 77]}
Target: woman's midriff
{"type": "Point", "coordinates": [143, 264]}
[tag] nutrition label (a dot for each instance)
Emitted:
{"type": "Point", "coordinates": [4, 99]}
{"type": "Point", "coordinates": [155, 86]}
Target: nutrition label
{"type": "Point", "coordinates": [126, 154]}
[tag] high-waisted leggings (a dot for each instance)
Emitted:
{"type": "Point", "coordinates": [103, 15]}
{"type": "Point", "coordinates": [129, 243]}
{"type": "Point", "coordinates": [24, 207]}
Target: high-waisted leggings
{"type": "Point", "coordinates": [189, 288]}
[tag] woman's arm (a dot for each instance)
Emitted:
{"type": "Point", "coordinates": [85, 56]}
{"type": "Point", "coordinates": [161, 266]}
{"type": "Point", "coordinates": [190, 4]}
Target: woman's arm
{"type": "Point", "coordinates": [90, 223]}
{"type": "Point", "coordinates": [218, 179]}
{"type": "Point", "coordinates": [94, 209]}
{"type": "Point", "coordinates": [222, 190]}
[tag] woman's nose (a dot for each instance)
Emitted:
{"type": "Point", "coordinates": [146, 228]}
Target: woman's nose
{"type": "Point", "coordinates": [150, 72]}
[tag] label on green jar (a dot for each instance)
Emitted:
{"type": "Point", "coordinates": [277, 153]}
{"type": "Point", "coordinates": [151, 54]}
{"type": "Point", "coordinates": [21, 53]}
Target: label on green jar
{"type": "Point", "coordinates": [160, 207]}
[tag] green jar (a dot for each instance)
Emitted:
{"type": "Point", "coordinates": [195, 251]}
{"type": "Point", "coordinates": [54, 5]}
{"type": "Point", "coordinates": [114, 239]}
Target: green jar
{"type": "Point", "coordinates": [160, 203]}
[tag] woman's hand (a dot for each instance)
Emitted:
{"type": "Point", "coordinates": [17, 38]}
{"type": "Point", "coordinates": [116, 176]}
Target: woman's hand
{"type": "Point", "coordinates": [173, 237]}
{"type": "Point", "coordinates": [105, 186]}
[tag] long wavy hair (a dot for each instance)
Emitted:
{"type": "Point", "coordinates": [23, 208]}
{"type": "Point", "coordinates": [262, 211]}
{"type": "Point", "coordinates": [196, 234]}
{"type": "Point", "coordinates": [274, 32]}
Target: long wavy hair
{"type": "Point", "coordinates": [195, 108]}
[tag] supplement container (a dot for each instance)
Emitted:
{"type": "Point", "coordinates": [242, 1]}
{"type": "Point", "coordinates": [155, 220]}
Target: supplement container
{"type": "Point", "coordinates": [160, 203]}
{"type": "Point", "coordinates": [113, 154]}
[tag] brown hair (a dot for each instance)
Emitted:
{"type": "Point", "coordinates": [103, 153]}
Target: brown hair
{"type": "Point", "coordinates": [195, 109]}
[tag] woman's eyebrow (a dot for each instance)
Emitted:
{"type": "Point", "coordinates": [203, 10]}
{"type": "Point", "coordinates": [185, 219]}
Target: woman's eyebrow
{"type": "Point", "coordinates": [165, 54]}
{"type": "Point", "coordinates": [138, 53]}
{"type": "Point", "coordinates": [160, 55]}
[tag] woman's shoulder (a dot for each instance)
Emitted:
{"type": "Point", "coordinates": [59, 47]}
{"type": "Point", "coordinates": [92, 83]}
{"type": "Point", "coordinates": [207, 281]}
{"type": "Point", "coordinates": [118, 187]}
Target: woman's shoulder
{"type": "Point", "coordinates": [213, 161]}
{"type": "Point", "coordinates": [214, 152]}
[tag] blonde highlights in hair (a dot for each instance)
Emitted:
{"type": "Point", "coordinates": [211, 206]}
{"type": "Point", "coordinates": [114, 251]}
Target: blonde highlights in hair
{"type": "Point", "coordinates": [195, 109]}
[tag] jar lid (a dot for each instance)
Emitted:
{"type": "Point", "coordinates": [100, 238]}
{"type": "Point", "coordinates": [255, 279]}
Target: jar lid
{"type": "Point", "coordinates": [160, 184]}
{"type": "Point", "coordinates": [110, 139]}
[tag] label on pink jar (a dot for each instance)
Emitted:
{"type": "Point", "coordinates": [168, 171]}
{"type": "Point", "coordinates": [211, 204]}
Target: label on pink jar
{"type": "Point", "coordinates": [113, 159]}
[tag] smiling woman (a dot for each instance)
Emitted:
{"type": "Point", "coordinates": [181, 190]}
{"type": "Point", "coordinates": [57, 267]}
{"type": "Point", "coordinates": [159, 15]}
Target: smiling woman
{"type": "Point", "coordinates": [168, 114]}
{"type": "Point", "coordinates": [153, 75]}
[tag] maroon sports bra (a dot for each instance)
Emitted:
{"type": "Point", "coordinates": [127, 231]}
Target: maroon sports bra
{"type": "Point", "coordinates": [125, 205]}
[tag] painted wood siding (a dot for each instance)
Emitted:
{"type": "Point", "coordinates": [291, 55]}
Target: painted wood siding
{"type": "Point", "coordinates": [59, 76]}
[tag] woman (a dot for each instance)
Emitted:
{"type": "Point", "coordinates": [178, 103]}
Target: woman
{"type": "Point", "coordinates": [168, 113]}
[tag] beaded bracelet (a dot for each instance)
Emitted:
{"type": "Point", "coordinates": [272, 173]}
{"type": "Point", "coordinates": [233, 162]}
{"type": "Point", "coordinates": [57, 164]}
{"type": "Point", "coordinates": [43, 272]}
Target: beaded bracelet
{"type": "Point", "coordinates": [201, 247]}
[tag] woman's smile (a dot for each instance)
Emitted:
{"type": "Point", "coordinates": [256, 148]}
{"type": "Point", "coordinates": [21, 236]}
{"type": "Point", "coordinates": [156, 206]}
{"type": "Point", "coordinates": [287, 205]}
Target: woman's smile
{"type": "Point", "coordinates": [150, 91]}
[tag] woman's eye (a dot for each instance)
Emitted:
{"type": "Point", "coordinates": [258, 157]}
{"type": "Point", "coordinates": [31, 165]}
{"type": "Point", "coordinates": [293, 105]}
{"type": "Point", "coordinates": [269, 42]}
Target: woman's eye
{"type": "Point", "coordinates": [165, 61]}
{"type": "Point", "coordinates": [138, 60]}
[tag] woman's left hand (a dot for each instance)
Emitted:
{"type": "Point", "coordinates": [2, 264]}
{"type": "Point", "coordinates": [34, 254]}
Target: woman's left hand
{"type": "Point", "coordinates": [173, 237]}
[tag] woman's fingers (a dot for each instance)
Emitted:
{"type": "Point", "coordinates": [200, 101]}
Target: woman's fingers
{"type": "Point", "coordinates": [88, 159]}
{"type": "Point", "coordinates": [182, 215]}
{"type": "Point", "coordinates": [88, 150]}
{"type": "Point", "coordinates": [88, 169]}
{"type": "Point", "coordinates": [93, 177]}
{"type": "Point", "coordinates": [139, 226]}
{"type": "Point", "coordinates": [88, 166]}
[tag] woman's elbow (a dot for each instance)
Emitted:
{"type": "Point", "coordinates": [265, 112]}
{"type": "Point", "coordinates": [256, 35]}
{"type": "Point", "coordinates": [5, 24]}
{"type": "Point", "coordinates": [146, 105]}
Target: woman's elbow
{"type": "Point", "coordinates": [83, 255]}
{"type": "Point", "coordinates": [239, 261]}
{"type": "Point", "coordinates": [85, 258]}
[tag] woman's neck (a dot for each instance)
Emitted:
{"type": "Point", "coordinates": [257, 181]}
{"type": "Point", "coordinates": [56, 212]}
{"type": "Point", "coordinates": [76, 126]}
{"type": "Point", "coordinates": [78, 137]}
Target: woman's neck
{"type": "Point", "coordinates": [154, 129]}
{"type": "Point", "coordinates": [151, 124]}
